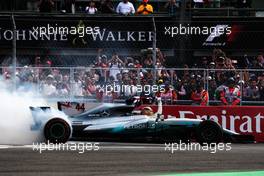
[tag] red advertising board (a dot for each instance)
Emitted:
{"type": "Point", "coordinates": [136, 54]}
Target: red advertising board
{"type": "Point", "coordinates": [241, 119]}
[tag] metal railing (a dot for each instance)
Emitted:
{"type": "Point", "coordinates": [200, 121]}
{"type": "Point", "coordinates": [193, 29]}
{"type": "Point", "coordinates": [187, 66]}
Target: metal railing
{"type": "Point", "coordinates": [227, 12]}
{"type": "Point", "coordinates": [90, 84]}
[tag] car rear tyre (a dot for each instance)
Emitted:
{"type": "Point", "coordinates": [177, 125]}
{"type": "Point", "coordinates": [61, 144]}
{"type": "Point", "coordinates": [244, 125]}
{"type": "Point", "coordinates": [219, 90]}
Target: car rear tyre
{"type": "Point", "coordinates": [57, 130]}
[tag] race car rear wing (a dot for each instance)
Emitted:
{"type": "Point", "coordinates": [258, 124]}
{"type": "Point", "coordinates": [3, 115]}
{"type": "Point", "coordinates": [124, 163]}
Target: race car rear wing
{"type": "Point", "coordinates": [43, 108]}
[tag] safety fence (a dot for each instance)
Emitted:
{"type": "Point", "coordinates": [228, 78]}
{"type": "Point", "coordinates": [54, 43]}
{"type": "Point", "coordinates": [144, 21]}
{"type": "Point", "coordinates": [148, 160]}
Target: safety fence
{"type": "Point", "coordinates": [118, 84]}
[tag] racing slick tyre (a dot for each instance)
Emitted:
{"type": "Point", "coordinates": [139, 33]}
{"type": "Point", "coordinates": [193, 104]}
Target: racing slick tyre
{"type": "Point", "coordinates": [57, 130]}
{"type": "Point", "coordinates": [209, 132]}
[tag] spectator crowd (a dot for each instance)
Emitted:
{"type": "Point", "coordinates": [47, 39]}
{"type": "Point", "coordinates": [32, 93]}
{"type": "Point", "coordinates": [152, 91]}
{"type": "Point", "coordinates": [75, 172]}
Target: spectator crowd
{"type": "Point", "coordinates": [211, 78]}
{"type": "Point", "coordinates": [125, 7]}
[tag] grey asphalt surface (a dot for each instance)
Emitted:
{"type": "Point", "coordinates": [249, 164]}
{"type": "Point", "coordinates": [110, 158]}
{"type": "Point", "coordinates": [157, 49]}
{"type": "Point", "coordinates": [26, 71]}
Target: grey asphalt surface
{"type": "Point", "coordinates": [128, 159]}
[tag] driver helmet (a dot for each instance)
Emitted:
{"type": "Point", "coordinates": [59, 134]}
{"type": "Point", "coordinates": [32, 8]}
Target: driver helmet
{"type": "Point", "coordinates": [147, 111]}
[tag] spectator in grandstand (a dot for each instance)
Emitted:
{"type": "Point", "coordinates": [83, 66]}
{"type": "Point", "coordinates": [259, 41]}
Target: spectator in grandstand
{"type": "Point", "coordinates": [244, 3]}
{"type": "Point", "coordinates": [48, 89]}
{"type": "Point", "coordinates": [125, 8]}
{"type": "Point", "coordinates": [174, 78]}
{"type": "Point", "coordinates": [45, 5]}
{"type": "Point", "coordinates": [163, 75]}
{"type": "Point", "coordinates": [168, 95]}
{"type": "Point", "coordinates": [212, 89]}
{"type": "Point", "coordinates": [183, 90]}
{"type": "Point", "coordinates": [160, 57]}
{"type": "Point", "coordinates": [107, 7]}
{"type": "Point", "coordinates": [61, 90]}
{"type": "Point", "coordinates": [77, 86]}
{"type": "Point", "coordinates": [261, 87]}
{"type": "Point", "coordinates": [230, 95]}
{"type": "Point", "coordinates": [172, 7]}
{"type": "Point", "coordinates": [67, 6]}
{"type": "Point", "coordinates": [125, 76]}
{"type": "Point", "coordinates": [260, 60]}
{"type": "Point", "coordinates": [198, 3]}
{"type": "Point", "coordinates": [189, 5]}
{"type": "Point", "coordinates": [217, 53]}
{"type": "Point", "coordinates": [66, 82]}
{"type": "Point", "coordinates": [32, 5]}
{"type": "Point", "coordinates": [252, 92]}
{"type": "Point", "coordinates": [193, 81]}
{"type": "Point", "coordinates": [212, 72]}
{"type": "Point", "coordinates": [228, 64]}
{"type": "Point", "coordinates": [148, 61]}
{"type": "Point", "coordinates": [129, 62]}
{"type": "Point", "coordinates": [37, 62]}
{"type": "Point", "coordinates": [57, 75]}
{"type": "Point", "coordinates": [204, 63]}
{"type": "Point", "coordinates": [220, 62]}
{"type": "Point", "coordinates": [90, 87]}
{"type": "Point", "coordinates": [137, 64]}
{"type": "Point", "coordinates": [186, 72]}
{"type": "Point", "coordinates": [130, 89]}
{"type": "Point", "coordinates": [91, 9]}
{"type": "Point", "coordinates": [200, 96]}
{"type": "Point", "coordinates": [115, 64]}
{"type": "Point", "coordinates": [104, 68]}
{"type": "Point", "coordinates": [216, 3]}
{"type": "Point", "coordinates": [207, 3]}
{"type": "Point", "coordinates": [145, 8]}
{"type": "Point", "coordinates": [257, 63]}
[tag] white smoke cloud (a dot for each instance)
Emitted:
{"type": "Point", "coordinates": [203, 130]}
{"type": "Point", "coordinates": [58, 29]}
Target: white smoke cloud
{"type": "Point", "coordinates": [16, 120]}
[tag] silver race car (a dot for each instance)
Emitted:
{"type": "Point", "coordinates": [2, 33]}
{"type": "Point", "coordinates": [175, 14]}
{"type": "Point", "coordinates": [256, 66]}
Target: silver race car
{"type": "Point", "coordinates": [121, 122]}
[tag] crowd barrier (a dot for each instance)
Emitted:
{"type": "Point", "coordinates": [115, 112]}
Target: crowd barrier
{"type": "Point", "coordinates": [83, 83]}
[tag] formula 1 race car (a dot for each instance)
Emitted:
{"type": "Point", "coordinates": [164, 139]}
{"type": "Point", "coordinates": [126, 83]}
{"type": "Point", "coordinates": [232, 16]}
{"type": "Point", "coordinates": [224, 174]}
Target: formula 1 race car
{"type": "Point", "coordinates": [121, 122]}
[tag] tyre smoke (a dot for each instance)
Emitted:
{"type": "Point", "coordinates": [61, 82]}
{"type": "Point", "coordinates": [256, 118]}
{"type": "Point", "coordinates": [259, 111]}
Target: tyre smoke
{"type": "Point", "coordinates": [16, 119]}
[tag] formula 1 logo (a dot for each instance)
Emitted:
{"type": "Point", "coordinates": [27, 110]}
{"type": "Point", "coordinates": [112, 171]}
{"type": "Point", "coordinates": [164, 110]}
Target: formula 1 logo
{"type": "Point", "coordinates": [219, 30]}
{"type": "Point", "coordinates": [216, 33]}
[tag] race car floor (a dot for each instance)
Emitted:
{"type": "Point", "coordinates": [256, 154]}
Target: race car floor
{"type": "Point", "coordinates": [130, 159]}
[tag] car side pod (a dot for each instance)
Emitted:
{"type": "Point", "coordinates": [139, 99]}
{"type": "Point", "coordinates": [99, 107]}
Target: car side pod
{"type": "Point", "coordinates": [209, 132]}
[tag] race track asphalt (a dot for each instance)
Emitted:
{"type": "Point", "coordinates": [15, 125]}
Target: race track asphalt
{"type": "Point", "coordinates": [128, 159]}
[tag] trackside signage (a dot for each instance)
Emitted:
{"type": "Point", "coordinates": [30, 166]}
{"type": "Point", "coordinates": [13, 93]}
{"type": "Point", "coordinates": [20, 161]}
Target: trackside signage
{"type": "Point", "coordinates": [245, 120]}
